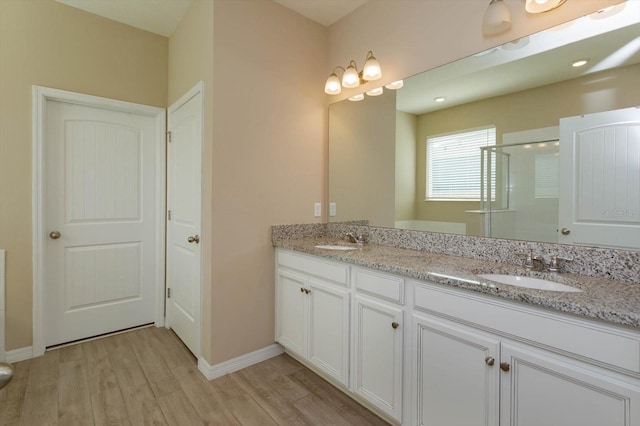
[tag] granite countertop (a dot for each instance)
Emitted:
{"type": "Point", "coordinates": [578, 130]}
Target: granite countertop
{"type": "Point", "coordinates": [613, 301]}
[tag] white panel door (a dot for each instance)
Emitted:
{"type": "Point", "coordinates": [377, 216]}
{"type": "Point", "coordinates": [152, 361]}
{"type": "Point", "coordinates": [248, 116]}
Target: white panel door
{"type": "Point", "coordinates": [541, 391]}
{"type": "Point", "coordinates": [600, 179]}
{"type": "Point", "coordinates": [100, 215]}
{"type": "Point", "coordinates": [184, 165]}
{"type": "Point", "coordinates": [457, 374]}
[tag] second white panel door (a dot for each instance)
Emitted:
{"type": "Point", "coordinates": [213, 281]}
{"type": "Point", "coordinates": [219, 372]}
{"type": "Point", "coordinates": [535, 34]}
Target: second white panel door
{"type": "Point", "coordinates": [184, 165]}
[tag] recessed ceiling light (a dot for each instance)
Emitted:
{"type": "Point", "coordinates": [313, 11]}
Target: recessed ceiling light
{"type": "Point", "coordinates": [579, 62]}
{"type": "Point", "coordinates": [439, 99]}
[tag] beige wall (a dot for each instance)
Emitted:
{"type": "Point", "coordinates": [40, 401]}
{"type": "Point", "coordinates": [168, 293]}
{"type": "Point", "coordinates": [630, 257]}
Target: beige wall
{"type": "Point", "coordinates": [361, 159]}
{"type": "Point", "coordinates": [411, 36]}
{"type": "Point", "coordinates": [405, 172]}
{"type": "Point", "coordinates": [191, 61]}
{"type": "Point", "coordinates": [269, 133]}
{"type": "Point", "coordinates": [48, 44]}
{"type": "Point", "coordinates": [529, 109]}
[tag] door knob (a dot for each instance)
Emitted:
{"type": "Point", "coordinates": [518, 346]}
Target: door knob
{"type": "Point", "coordinates": [194, 239]}
{"type": "Point", "coordinates": [565, 231]}
{"type": "Point", "coordinates": [54, 235]}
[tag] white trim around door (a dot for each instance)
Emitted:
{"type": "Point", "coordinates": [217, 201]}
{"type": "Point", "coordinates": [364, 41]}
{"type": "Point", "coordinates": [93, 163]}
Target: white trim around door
{"type": "Point", "coordinates": [40, 97]}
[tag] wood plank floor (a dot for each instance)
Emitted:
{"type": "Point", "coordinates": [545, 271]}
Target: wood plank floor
{"type": "Point", "coordinates": [147, 377]}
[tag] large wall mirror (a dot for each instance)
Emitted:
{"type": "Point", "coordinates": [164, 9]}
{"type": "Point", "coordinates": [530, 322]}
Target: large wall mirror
{"type": "Point", "coordinates": [515, 142]}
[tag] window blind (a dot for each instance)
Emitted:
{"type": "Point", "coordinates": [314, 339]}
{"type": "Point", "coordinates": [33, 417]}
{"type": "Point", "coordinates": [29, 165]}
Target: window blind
{"type": "Point", "coordinates": [453, 164]}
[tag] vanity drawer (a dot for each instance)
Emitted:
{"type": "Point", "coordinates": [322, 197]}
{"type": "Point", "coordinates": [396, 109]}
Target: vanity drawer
{"type": "Point", "coordinates": [586, 339]}
{"type": "Point", "coordinates": [385, 286]}
{"type": "Point", "coordinates": [332, 271]}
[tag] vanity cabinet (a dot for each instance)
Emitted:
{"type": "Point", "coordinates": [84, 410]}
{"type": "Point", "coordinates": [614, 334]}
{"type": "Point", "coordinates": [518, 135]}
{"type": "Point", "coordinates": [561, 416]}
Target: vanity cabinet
{"type": "Point", "coordinates": [427, 354]}
{"type": "Point", "coordinates": [312, 313]}
{"type": "Point", "coordinates": [473, 373]}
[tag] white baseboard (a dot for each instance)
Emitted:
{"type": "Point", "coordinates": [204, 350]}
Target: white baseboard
{"type": "Point", "coordinates": [18, 355]}
{"type": "Point", "coordinates": [226, 367]}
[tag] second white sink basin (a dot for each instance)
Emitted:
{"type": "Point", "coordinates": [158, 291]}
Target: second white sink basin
{"type": "Point", "coordinates": [529, 282]}
{"type": "Point", "coordinates": [334, 247]}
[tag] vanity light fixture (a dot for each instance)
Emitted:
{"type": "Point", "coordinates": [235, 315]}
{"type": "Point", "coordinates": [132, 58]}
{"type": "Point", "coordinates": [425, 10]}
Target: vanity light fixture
{"type": "Point", "coordinates": [579, 62]}
{"type": "Point", "coordinates": [351, 77]}
{"type": "Point", "coordinates": [540, 6]}
{"type": "Point", "coordinates": [497, 18]}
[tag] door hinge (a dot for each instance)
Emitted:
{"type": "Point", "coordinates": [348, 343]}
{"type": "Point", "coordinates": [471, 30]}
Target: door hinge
{"type": "Point", "coordinates": [168, 136]}
{"type": "Point", "coordinates": [168, 293]}
{"type": "Point", "coordinates": [169, 215]}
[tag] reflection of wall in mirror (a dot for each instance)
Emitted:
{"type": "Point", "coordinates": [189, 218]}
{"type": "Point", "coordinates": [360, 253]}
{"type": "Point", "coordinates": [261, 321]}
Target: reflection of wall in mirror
{"type": "Point", "coordinates": [529, 109]}
{"type": "Point", "coordinates": [361, 159]}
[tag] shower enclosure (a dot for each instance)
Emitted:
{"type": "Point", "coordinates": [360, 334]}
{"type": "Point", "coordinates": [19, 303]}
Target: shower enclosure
{"type": "Point", "coordinates": [519, 190]}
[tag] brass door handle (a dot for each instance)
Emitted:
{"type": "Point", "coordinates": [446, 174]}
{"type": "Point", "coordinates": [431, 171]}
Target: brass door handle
{"type": "Point", "coordinates": [504, 366]}
{"type": "Point", "coordinates": [395, 325]}
{"type": "Point", "coordinates": [194, 239]}
{"type": "Point", "coordinates": [489, 360]}
{"type": "Point", "coordinates": [54, 235]}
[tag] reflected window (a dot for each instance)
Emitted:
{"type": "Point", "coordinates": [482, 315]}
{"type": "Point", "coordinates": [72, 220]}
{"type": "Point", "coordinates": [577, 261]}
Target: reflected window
{"type": "Point", "coordinates": [454, 164]}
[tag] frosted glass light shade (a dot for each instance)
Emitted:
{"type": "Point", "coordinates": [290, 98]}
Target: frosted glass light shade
{"type": "Point", "coordinates": [332, 86]}
{"type": "Point", "coordinates": [351, 78]}
{"type": "Point", "coordinates": [395, 85]}
{"type": "Point", "coordinates": [375, 92]}
{"type": "Point", "coordinates": [497, 18]}
{"type": "Point", "coordinates": [372, 70]}
{"type": "Point", "coordinates": [540, 6]}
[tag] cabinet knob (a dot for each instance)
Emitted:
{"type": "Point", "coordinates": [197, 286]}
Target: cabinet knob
{"type": "Point", "coordinates": [489, 360]}
{"type": "Point", "coordinates": [395, 325]}
{"type": "Point", "coordinates": [194, 239]}
{"type": "Point", "coordinates": [504, 366]}
{"type": "Point", "coordinates": [307, 291]}
{"type": "Point", "coordinates": [54, 235]}
{"type": "Point", "coordinates": [565, 231]}
{"type": "Point", "coordinates": [301, 290]}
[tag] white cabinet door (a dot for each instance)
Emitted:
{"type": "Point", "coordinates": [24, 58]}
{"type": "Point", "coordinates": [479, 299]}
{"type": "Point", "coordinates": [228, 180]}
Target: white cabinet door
{"type": "Point", "coordinates": [456, 373]}
{"type": "Point", "coordinates": [539, 390]}
{"type": "Point", "coordinates": [377, 361]}
{"type": "Point", "coordinates": [329, 329]}
{"type": "Point", "coordinates": [291, 312]}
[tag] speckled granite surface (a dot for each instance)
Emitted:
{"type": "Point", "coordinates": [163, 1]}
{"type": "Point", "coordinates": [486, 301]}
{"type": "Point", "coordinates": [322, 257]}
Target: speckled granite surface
{"type": "Point", "coordinates": [463, 258]}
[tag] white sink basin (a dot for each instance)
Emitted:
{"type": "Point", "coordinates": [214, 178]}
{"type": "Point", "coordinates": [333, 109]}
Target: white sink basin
{"type": "Point", "coordinates": [335, 247]}
{"type": "Point", "coordinates": [529, 282]}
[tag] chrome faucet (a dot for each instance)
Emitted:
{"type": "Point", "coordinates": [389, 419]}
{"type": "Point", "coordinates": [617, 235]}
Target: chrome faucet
{"type": "Point", "coordinates": [533, 262]}
{"type": "Point", "coordinates": [355, 238]}
{"type": "Point", "coordinates": [554, 266]}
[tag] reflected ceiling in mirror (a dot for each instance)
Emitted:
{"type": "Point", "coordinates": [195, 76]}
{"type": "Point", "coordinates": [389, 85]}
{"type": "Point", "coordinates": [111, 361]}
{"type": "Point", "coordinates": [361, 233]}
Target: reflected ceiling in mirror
{"type": "Point", "coordinates": [378, 168]}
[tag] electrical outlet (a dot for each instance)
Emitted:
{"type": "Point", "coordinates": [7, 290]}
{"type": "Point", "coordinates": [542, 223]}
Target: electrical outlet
{"type": "Point", "coordinates": [317, 209]}
{"type": "Point", "coordinates": [332, 209]}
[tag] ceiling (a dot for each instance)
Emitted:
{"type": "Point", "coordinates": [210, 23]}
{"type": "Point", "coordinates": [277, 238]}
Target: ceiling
{"type": "Point", "coordinates": [162, 16]}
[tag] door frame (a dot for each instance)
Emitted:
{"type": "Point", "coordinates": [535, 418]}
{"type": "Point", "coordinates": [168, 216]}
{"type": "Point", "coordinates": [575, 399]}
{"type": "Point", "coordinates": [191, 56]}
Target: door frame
{"type": "Point", "coordinates": [39, 113]}
{"type": "Point", "coordinates": [198, 89]}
